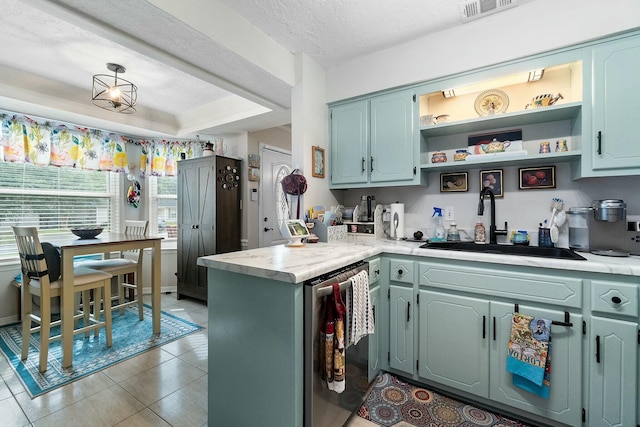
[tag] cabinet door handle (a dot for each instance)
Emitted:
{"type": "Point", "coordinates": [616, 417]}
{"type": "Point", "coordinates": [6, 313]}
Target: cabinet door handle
{"type": "Point", "coordinates": [597, 348]}
{"type": "Point", "coordinates": [408, 311]}
{"type": "Point", "coordinates": [599, 142]}
{"type": "Point", "coordinates": [494, 328]}
{"type": "Point", "coordinates": [373, 311]}
{"type": "Point", "coordinates": [371, 163]}
{"type": "Point", "coordinates": [267, 229]}
{"type": "Point", "coordinates": [363, 165]}
{"type": "Point", "coordinates": [484, 327]}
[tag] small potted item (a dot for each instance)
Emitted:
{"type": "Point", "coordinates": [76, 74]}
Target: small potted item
{"type": "Point", "coordinates": [460, 155]}
{"type": "Point", "coordinates": [439, 157]}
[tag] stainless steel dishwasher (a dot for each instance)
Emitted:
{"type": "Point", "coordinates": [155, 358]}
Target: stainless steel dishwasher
{"type": "Point", "coordinates": [322, 407]}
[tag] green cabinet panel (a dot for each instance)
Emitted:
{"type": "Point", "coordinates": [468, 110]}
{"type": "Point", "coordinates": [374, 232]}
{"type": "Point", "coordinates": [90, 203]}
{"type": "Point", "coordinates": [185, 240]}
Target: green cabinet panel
{"type": "Point", "coordinates": [613, 143]}
{"type": "Point", "coordinates": [454, 341]}
{"type": "Point", "coordinates": [565, 392]}
{"type": "Point", "coordinates": [374, 339]}
{"type": "Point", "coordinates": [393, 144]}
{"type": "Point", "coordinates": [350, 143]}
{"type": "Point", "coordinates": [613, 372]}
{"type": "Point", "coordinates": [401, 335]}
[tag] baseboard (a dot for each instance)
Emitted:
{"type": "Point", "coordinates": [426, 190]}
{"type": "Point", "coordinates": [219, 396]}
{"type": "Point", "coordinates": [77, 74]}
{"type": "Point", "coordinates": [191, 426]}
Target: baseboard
{"type": "Point", "coordinates": [9, 320]}
{"type": "Point", "coordinates": [163, 289]}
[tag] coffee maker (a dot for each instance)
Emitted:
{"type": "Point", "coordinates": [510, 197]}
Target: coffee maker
{"type": "Point", "coordinates": [607, 228]}
{"type": "Point", "coordinates": [366, 208]}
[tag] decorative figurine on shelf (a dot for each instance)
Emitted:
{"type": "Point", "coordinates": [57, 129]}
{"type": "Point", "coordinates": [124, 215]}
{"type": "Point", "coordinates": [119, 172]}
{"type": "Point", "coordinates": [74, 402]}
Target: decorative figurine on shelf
{"type": "Point", "coordinates": [208, 149]}
{"type": "Point", "coordinates": [545, 147]}
{"type": "Point", "coordinates": [439, 157]}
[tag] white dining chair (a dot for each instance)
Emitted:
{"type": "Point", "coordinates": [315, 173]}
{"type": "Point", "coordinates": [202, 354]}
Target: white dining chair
{"type": "Point", "coordinates": [36, 282]}
{"type": "Point", "coordinates": [127, 266]}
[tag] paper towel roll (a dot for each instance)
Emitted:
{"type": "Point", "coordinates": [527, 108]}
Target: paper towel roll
{"type": "Point", "coordinates": [397, 208]}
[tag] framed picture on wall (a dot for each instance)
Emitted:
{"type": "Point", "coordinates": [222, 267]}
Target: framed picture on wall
{"type": "Point", "coordinates": [535, 178]}
{"type": "Point", "coordinates": [493, 180]}
{"type": "Point", "coordinates": [317, 154]}
{"type": "Point", "coordinates": [452, 182]}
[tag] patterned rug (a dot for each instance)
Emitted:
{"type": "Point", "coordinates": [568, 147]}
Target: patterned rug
{"type": "Point", "coordinates": [130, 337]}
{"type": "Point", "coordinates": [392, 401]}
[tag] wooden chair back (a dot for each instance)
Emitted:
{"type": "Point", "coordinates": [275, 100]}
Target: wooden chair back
{"type": "Point", "coordinates": [32, 260]}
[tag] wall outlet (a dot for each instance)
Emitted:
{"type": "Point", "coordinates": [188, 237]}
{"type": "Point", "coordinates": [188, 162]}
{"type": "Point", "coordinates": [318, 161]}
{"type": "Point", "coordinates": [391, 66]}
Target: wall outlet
{"type": "Point", "coordinates": [448, 213]}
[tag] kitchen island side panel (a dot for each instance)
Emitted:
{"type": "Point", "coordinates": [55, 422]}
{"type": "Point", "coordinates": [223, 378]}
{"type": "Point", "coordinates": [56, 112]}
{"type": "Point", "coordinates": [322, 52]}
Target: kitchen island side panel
{"type": "Point", "coordinates": [255, 351]}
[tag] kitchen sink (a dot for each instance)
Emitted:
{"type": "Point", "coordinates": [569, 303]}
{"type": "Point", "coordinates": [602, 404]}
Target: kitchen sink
{"type": "Point", "coordinates": [534, 251]}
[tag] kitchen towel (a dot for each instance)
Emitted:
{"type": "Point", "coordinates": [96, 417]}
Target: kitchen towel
{"type": "Point", "coordinates": [528, 355]}
{"type": "Point", "coordinates": [332, 348]}
{"type": "Point", "coordinates": [359, 310]}
{"type": "Point", "coordinates": [397, 209]}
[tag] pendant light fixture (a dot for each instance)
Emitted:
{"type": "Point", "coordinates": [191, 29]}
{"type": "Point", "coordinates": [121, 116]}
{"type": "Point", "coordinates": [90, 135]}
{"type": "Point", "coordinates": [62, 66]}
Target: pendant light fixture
{"type": "Point", "coordinates": [114, 93]}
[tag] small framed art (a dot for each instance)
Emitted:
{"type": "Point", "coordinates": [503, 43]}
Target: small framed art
{"type": "Point", "coordinates": [452, 182]}
{"type": "Point", "coordinates": [493, 180]}
{"type": "Point", "coordinates": [317, 154]}
{"type": "Point", "coordinates": [535, 178]}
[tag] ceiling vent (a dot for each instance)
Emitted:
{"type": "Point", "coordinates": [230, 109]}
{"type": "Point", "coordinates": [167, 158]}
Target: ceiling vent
{"type": "Point", "coordinates": [474, 9]}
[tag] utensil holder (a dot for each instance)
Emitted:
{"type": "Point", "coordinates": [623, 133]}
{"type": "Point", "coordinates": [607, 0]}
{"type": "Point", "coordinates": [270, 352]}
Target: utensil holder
{"type": "Point", "coordinates": [544, 238]}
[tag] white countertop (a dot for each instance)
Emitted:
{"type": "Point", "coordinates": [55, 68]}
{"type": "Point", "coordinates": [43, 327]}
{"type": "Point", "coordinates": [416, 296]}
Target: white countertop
{"type": "Point", "coordinates": [298, 264]}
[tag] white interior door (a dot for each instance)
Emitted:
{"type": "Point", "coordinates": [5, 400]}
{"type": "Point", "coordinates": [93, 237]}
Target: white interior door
{"type": "Point", "coordinates": [273, 206]}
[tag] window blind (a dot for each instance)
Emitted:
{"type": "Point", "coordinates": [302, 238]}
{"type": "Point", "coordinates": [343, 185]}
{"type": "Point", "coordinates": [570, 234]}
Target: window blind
{"type": "Point", "coordinates": [53, 200]}
{"type": "Point", "coordinates": [163, 194]}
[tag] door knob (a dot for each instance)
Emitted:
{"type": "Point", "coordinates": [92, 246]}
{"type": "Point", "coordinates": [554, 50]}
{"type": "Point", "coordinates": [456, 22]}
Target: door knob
{"type": "Point", "coordinates": [267, 229]}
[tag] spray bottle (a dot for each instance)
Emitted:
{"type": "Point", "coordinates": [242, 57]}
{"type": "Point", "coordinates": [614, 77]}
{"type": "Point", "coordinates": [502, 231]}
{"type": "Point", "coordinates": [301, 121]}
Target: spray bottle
{"type": "Point", "coordinates": [439, 235]}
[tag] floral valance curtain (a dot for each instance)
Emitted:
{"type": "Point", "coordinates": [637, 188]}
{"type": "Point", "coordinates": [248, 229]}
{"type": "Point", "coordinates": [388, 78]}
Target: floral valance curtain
{"type": "Point", "coordinates": [40, 142]}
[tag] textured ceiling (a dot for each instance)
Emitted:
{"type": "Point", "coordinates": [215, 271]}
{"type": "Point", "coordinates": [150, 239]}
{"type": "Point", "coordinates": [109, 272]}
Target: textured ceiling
{"type": "Point", "coordinates": [193, 77]}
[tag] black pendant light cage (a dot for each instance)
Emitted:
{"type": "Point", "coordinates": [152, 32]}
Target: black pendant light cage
{"type": "Point", "coordinates": [114, 93]}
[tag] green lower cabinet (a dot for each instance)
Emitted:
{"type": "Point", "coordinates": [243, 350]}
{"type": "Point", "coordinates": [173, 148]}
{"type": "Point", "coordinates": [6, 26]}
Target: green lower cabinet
{"type": "Point", "coordinates": [613, 372]}
{"type": "Point", "coordinates": [401, 308]}
{"type": "Point", "coordinates": [374, 339]}
{"type": "Point", "coordinates": [565, 392]}
{"type": "Point", "coordinates": [463, 344]}
{"type": "Point", "coordinates": [454, 341]}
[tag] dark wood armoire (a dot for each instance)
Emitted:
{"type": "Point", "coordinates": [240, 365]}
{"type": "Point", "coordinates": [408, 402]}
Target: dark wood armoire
{"type": "Point", "coordinates": [209, 217]}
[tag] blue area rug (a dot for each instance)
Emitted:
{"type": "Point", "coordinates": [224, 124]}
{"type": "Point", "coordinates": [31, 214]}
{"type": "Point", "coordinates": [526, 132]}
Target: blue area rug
{"type": "Point", "coordinates": [130, 336]}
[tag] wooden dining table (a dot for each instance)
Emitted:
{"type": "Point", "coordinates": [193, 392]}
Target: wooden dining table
{"type": "Point", "coordinates": [105, 243]}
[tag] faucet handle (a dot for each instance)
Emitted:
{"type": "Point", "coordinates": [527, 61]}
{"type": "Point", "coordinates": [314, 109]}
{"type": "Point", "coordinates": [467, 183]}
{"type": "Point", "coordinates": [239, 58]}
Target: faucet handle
{"type": "Point", "coordinates": [502, 232]}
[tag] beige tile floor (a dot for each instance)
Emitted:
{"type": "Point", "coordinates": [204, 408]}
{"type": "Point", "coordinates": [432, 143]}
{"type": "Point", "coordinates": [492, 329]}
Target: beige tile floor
{"type": "Point", "coordinates": [166, 386]}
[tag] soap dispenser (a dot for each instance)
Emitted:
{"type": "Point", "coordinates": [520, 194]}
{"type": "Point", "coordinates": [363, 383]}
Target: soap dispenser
{"type": "Point", "coordinates": [454, 234]}
{"type": "Point", "coordinates": [439, 235]}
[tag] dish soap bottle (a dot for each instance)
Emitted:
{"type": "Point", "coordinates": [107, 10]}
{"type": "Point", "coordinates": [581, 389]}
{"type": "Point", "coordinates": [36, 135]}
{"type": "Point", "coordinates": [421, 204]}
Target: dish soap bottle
{"type": "Point", "coordinates": [439, 235]}
{"type": "Point", "coordinates": [479, 233]}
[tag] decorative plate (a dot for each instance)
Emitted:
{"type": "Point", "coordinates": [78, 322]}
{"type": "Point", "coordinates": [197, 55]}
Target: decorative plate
{"type": "Point", "coordinates": [491, 102]}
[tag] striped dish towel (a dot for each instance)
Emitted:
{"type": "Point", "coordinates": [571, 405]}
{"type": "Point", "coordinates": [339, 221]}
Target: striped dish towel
{"type": "Point", "coordinates": [359, 310]}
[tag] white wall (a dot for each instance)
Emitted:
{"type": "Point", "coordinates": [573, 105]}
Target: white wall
{"type": "Point", "coordinates": [522, 209]}
{"type": "Point", "coordinates": [532, 28]}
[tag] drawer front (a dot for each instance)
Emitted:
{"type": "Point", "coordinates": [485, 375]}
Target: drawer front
{"type": "Point", "coordinates": [517, 286]}
{"type": "Point", "coordinates": [401, 270]}
{"type": "Point", "coordinates": [614, 298]}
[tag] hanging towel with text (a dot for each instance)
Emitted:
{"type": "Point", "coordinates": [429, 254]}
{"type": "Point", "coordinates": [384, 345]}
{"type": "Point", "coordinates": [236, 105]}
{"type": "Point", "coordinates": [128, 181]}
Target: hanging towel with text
{"type": "Point", "coordinates": [529, 354]}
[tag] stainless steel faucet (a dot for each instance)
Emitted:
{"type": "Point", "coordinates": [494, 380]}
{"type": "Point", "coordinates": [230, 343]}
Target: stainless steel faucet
{"type": "Point", "coordinates": [493, 231]}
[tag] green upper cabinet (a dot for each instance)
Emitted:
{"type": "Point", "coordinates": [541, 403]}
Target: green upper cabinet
{"type": "Point", "coordinates": [374, 142]}
{"type": "Point", "coordinates": [614, 126]}
{"type": "Point", "coordinates": [350, 143]}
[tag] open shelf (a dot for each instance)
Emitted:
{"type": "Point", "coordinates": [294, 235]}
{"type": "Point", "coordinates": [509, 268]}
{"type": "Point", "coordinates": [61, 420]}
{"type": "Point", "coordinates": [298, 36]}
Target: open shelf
{"type": "Point", "coordinates": [519, 118]}
{"type": "Point", "coordinates": [497, 161]}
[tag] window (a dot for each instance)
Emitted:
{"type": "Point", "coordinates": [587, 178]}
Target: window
{"type": "Point", "coordinates": [163, 196]}
{"type": "Point", "coordinates": [54, 199]}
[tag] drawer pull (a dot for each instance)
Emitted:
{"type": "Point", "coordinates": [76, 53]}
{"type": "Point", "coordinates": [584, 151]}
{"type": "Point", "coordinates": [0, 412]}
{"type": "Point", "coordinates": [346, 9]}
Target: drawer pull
{"type": "Point", "coordinates": [400, 272]}
{"type": "Point", "coordinates": [616, 300]}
